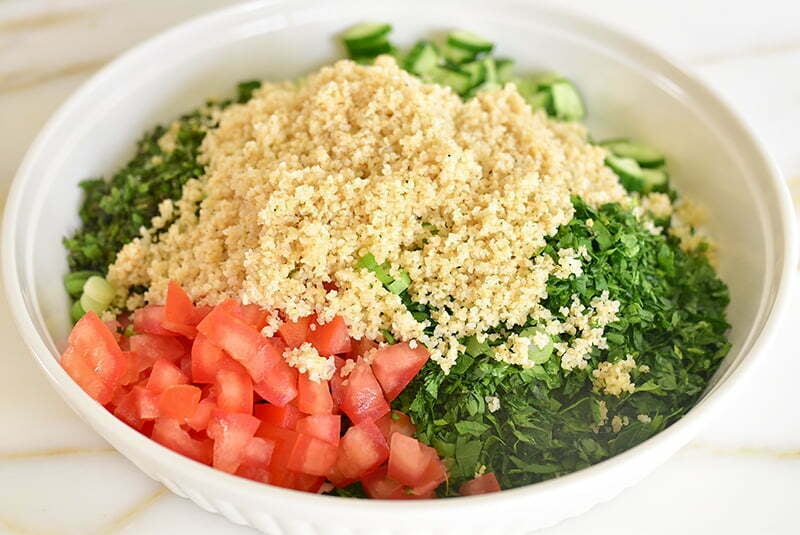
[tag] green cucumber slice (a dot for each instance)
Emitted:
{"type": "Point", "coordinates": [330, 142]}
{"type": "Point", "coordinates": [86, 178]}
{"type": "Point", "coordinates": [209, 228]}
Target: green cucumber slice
{"type": "Point", "coordinates": [457, 80]}
{"type": "Point", "coordinates": [645, 155]}
{"type": "Point", "coordinates": [469, 41]}
{"type": "Point", "coordinates": [73, 282]}
{"type": "Point", "coordinates": [566, 102]}
{"type": "Point", "coordinates": [365, 34]}
{"type": "Point", "coordinates": [422, 58]}
{"type": "Point", "coordinates": [628, 171]}
{"type": "Point", "coordinates": [505, 70]}
{"type": "Point", "coordinates": [457, 56]}
{"type": "Point", "coordinates": [655, 180]}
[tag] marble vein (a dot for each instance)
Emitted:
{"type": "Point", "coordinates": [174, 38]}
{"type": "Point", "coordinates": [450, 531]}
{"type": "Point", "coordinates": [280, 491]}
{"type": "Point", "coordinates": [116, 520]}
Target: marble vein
{"type": "Point", "coordinates": [25, 79]}
{"type": "Point", "coordinates": [16, 530]}
{"type": "Point", "coordinates": [39, 21]}
{"type": "Point", "coordinates": [751, 52]}
{"type": "Point", "coordinates": [749, 451]}
{"type": "Point", "coordinates": [54, 453]}
{"type": "Point", "coordinates": [122, 520]}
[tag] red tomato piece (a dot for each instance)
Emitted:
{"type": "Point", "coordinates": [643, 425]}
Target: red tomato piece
{"type": "Point", "coordinates": [285, 417]}
{"type": "Point", "coordinates": [134, 366]}
{"type": "Point", "coordinates": [312, 456]}
{"type": "Point", "coordinates": [146, 403]}
{"type": "Point", "coordinates": [361, 450]}
{"type": "Point", "coordinates": [297, 481]}
{"type": "Point", "coordinates": [435, 474]}
{"type": "Point", "coordinates": [179, 402]}
{"type": "Point", "coordinates": [127, 410]}
{"type": "Point", "coordinates": [280, 385]}
{"type": "Point", "coordinates": [396, 422]}
{"type": "Point", "coordinates": [150, 320]}
{"type": "Point", "coordinates": [337, 384]}
{"type": "Point", "coordinates": [294, 333]}
{"type": "Point", "coordinates": [359, 348]}
{"type": "Point", "coordinates": [258, 452]}
{"type": "Point", "coordinates": [362, 398]}
{"type": "Point", "coordinates": [329, 338]}
{"type": "Point", "coordinates": [170, 434]}
{"type": "Point", "coordinates": [407, 460]}
{"type": "Point", "coordinates": [93, 358]}
{"type": "Point", "coordinates": [394, 366]}
{"type": "Point", "coordinates": [241, 341]}
{"type": "Point", "coordinates": [380, 487]}
{"type": "Point", "coordinates": [164, 374]}
{"type": "Point", "coordinates": [234, 391]}
{"type": "Point", "coordinates": [480, 485]}
{"type": "Point", "coordinates": [327, 427]}
{"type": "Point", "coordinates": [179, 311]}
{"type": "Point", "coordinates": [284, 440]}
{"type": "Point", "coordinates": [231, 433]}
{"type": "Point", "coordinates": [251, 314]}
{"type": "Point", "coordinates": [202, 415]}
{"type": "Point", "coordinates": [313, 397]}
{"type": "Point", "coordinates": [338, 479]}
{"type": "Point", "coordinates": [208, 359]}
{"type": "Point", "coordinates": [150, 347]}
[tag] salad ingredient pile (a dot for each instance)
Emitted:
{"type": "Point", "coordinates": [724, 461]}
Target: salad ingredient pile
{"type": "Point", "coordinates": [407, 275]}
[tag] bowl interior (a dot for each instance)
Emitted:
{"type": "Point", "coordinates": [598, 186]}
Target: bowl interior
{"type": "Point", "coordinates": [629, 92]}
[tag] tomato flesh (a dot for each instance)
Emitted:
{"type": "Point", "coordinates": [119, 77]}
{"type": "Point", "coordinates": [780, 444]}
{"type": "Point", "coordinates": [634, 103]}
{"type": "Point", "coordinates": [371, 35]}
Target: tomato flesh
{"type": "Point", "coordinates": [179, 402]}
{"type": "Point", "coordinates": [325, 427]}
{"type": "Point", "coordinates": [396, 422]}
{"type": "Point", "coordinates": [234, 391]}
{"type": "Point", "coordinates": [179, 312]}
{"type": "Point", "coordinates": [395, 365]}
{"type": "Point", "coordinates": [480, 485]}
{"type": "Point", "coordinates": [164, 374]}
{"type": "Point", "coordinates": [231, 433]}
{"type": "Point", "coordinates": [361, 449]}
{"type": "Point", "coordinates": [169, 433]}
{"type": "Point", "coordinates": [285, 417]}
{"type": "Point", "coordinates": [294, 333]}
{"type": "Point", "coordinates": [313, 397]}
{"type": "Point", "coordinates": [311, 455]}
{"type": "Point", "coordinates": [362, 398]}
{"type": "Point", "coordinates": [330, 338]}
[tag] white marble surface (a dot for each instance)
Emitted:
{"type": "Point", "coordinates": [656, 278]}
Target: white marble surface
{"type": "Point", "coordinates": [741, 476]}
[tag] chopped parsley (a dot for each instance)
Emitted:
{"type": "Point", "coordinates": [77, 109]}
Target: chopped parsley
{"type": "Point", "coordinates": [552, 421]}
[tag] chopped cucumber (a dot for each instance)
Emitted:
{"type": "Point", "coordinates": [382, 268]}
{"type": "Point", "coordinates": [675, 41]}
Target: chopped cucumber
{"type": "Point", "coordinates": [546, 80]}
{"type": "Point", "coordinates": [655, 180]}
{"type": "Point", "coordinates": [566, 103]}
{"type": "Point", "coordinates": [485, 86]}
{"type": "Point", "coordinates": [365, 35]}
{"type": "Point", "coordinates": [645, 155]}
{"type": "Point", "coordinates": [73, 282]}
{"type": "Point", "coordinates": [536, 354]}
{"type": "Point", "coordinates": [476, 71]}
{"type": "Point", "coordinates": [538, 100]}
{"type": "Point", "coordinates": [505, 70]}
{"type": "Point", "coordinates": [469, 41]}
{"type": "Point", "coordinates": [457, 56]}
{"type": "Point", "coordinates": [76, 312]}
{"type": "Point", "coordinates": [89, 304]}
{"type": "Point", "coordinates": [628, 171]}
{"type": "Point", "coordinates": [458, 80]}
{"type": "Point", "coordinates": [491, 69]}
{"type": "Point", "coordinates": [422, 58]}
{"type": "Point", "coordinates": [372, 51]}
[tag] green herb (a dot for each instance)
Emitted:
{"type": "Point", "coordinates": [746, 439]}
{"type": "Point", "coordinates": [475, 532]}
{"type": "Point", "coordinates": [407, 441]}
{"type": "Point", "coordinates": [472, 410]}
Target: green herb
{"type": "Point", "coordinates": [672, 319]}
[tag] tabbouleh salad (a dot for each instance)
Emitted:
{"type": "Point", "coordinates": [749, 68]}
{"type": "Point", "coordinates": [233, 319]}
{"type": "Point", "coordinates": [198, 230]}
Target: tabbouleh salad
{"type": "Point", "coordinates": [406, 275]}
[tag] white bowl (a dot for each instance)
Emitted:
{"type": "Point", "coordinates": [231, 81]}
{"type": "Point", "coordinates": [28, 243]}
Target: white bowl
{"type": "Point", "coordinates": [630, 90]}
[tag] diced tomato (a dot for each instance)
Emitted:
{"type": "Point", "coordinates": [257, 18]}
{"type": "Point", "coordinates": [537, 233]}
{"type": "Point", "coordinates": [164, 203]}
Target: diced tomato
{"type": "Point", "coordinates": [150, 320]}
{"type": "Point", "coordinates": [284, 440]}
{"type": "Point", "coordinates": [258, 452]}
{"type": "Point", "coordinates": [480, 485]}
{"type": "Point", "coordinates": [380, 487]}
{"type": "Point", "coordinates": [170, 434]}
{"type": "Point", "coordinates": [164, 374]}
{"type": "Point", "coordinates": [251, 314]}
{"type": "Point", "coordinates": [362, 398]}
{"type": "Point", "coordinates": [93, 358]}
{"type": "Point", "coordinates": [361, 450]}
{"type": "Point", "coordinates": [240, 340]}
{"type": "Point", "coordinates": [179, 402]}
{"type": "Point", "coordinates": [134, 366]}
{"type": "Point", "coordinates": [234, 391]}
{"type": "Point", "coordinates": [408, 460]}
{"type": "Point", "coordinates": [127, 410]}
{"type": "Point", "coordinates": [312, 456]}
{"type": "Point", "coordinates": [338, 479]}
{"type": "Point", "coordinates": [285, 417]}
{"type": "Point", "coordinates": [202, 415]}
{"type": "Point", "coordinates": [325, 427]}
{"type": "Point", "coordinates": [280, 385]}
{"type": "Point", "coordinates": [337, 384]}
{"type": "Point", "coordinates": [359, 348]}
{"type": "Point", "coordinates": [330, 338]}
{"type": "Point", "coordinates": [231, 433]}
{"type": "Point", "coordinates": [394, 366]}
{"type": "Point", "coordinates": [294, 480]}
{"type": "Point", "coordinates": [434, 475]}
{"type": "Point", "coordinates": [396, 422]}
{"type": "Point", "coordinates": [150, 347]}
{"type": "Point", "coordinates": [146, 402]}
{"type": "Point", "coordinates": [208, 359]}
{"type": "Point", "coordinates": [313, 397]}
{"type": "Point", "coordinates": [179, 314]}
{"type": "Point", "coordinates": [294, 333]}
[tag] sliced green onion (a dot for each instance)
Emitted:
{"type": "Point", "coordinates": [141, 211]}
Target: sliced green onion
{"type": "Point", "coordinates": [98, 290]}
{"type": "Point", "coordinates": [388, 336]}
{"type": "Point", "coordinates": [90, 305]}
{"type": "Point", "coordinates": [536, 354]}
{"type": "Point", "coordinates": [73, 282]}
{"type": "Point", "coordinates": [364, 34]}
{"type": "Point", "coordinates": [399, 285]}
{"type": "Point", "coordinates": [468, 41]}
